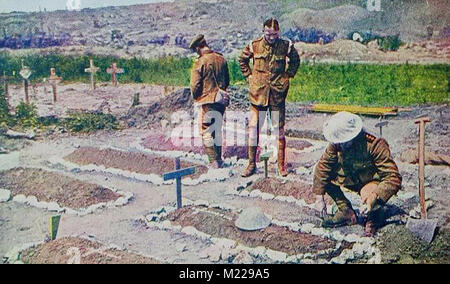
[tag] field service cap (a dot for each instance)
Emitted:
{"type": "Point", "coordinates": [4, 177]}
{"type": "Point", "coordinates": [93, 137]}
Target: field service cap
{"type": "Point", "coordinates": [196, 41]}
{"type": "Point", "coordinates": [342, 127]}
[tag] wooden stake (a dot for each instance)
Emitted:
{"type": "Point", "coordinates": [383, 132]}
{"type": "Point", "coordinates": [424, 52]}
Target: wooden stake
{"type": "Point", "coordinates": [421, 121]}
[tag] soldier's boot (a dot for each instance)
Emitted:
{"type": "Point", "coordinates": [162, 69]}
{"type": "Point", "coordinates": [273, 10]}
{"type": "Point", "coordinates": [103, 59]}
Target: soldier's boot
{"type": "Point", "coordinates": [251, 168]}
{"type": "Point", "coordinates": [212, 156]}
{"type": "Point", "coordinates": [345, 216]}
{"type": "Point", "coordinates": [375, 220]}
{"type": "Point", "coordinates": [282, 158]}
{"type": "Point", "coordinates": [219, 160]}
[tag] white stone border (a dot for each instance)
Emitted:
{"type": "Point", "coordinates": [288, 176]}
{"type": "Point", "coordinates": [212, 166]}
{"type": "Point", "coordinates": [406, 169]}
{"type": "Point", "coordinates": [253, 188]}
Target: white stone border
{"type": "Point", "coordinates": [13, 255]}
{"type": "Point", "coordinates": [31, 200]}
{"type": "Point", "coordinates": [242, 189]}
{"type": "Point", "coordinates": [213, 175]}
{"type": "Point", "coordinates": [362, 246]}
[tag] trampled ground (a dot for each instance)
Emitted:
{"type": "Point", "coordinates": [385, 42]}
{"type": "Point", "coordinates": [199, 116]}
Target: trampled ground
{"type": "Point", "coordinates": [137, 228]}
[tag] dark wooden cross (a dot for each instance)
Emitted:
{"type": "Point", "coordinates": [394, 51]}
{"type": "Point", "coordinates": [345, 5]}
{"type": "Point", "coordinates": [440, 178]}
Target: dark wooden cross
{"type": "Point", "coordinates": [381, 124]}
{"type": "Point", "coordinates": [4, 80]}
{"type": "Point", "coordinates": [54, 80]}
{"type": "Point", "coordinates": [177, 175]}
{"type": "Point", "coordinates": [25, 72]}
{"type": "Point", "coordinates": [265, 157]}
{"type": "Point", "coordinates": [113, 70]}
{"type": "Point", "coordinates": [92, 69]}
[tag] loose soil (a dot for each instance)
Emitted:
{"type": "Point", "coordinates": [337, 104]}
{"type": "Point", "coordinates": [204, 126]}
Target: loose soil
{"type": "Point", "coordinates": [129, 161]}
{"type": "Point", "coordinates": [398, 245]}
{"type": "Point", "coordinates": [49, 187]}
{"type": "Point", "coordinates": [279, 187]}
{"type": "Point", "coordinates": [273, 237]}
{"type": "Point", "coordinates": [63, 251]}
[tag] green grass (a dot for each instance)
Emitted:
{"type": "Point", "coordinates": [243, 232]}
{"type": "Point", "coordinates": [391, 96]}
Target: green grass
{"type": "Point", "coordinates": [362, 84]}
{"type": "Point", "coordinates": [378, 85]}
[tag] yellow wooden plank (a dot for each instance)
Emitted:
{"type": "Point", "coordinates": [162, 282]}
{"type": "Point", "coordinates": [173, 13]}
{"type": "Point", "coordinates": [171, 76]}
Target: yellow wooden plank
{"type": "Point", "coordinates": [356, 109]}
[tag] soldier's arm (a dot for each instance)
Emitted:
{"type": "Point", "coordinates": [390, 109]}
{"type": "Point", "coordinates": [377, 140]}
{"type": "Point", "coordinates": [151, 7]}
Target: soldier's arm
{"type": "Point", "coordinates": [391, 180]}
{"type": "Point", "coordinates": [294, 61]}
{"type": "Point", "coordinates": [325, 170]}
{"type": "Point", "coordinates": [227, 75]}
{"type": "Point", "coordinates": [197, 74]}
{"type": "Point", "coordinates": [244, 60]}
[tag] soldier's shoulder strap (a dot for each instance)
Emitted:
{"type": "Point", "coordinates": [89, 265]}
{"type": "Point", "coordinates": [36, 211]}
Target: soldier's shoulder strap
{"type": "Point", "coordinates": [370, 137]}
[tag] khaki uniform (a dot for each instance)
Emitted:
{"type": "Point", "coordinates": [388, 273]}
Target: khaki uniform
{"type": "Point", "coordinates": [368, 160]}
{"type": "Point", "coordinates": [209, 73]}
{"type": "Point", "coordinates": [269, 75]}
{"type": "Point", "coordinates": [207, 69]}
{"type": "Point", "coordinates": [273, 66]}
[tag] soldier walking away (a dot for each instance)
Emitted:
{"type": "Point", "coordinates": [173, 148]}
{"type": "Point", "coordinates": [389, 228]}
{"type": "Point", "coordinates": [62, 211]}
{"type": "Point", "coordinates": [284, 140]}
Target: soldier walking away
{"type": "Point", "coordinates": [209, 81]}
{"type": "Point", "coordinates": [275, 62]}
{"type": "Point", "coordinates": [360, 162]}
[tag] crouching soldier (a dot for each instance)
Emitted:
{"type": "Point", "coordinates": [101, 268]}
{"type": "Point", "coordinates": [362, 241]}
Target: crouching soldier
{"type": "Point", "coordinates": [359, 162]}
{"type": "Point", "coordinates": [209, 82]}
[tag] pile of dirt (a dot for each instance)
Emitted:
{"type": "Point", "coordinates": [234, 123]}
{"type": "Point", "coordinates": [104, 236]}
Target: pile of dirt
{"type": "Point", "coordinates": [279, 187]}
{"type": "Point", "coordinates": [52, 187]}
{"type": "Point", "coordinates": [71, 250]}
{"type": "Point", "coordinates": [129, 161]}
{"type": "Point", "coordinates": [273, 237]}
{"type": "Point", "coordinates": [399, 245]}
{"type": "Point", "coordinates": [180, 99]}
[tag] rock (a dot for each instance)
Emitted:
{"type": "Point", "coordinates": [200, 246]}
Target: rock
{"type": "Point", "coordinates": [20, 198]}
{"type": "Point", "coordinates": [255, 193]}
{"type": "Point", "coordinates": [252, 219]}
{"type": "Point", "coordinates": [243, 257]}
{"type": "Point", "coordinates": [18, 135]}
{"type": "Point", "coordinates": [5, 195]}
{"type": "Point", "coordinates": [120, 201]}
{"type": "Point", "coordinates": [32, 201]}
{"type": "Point", "coordinates": [276, 256]}
{"type": "Point", "coordinates": [214, 253]}
{"type": "Point", "coordinates": [53, 206]}
{"type": "Point", "coordinates": [413, 213]}
{"type": "Point", "coordinates": [351, 238]}
{"type": "Point", "coordinates": [267, 196]}
{"type": "Point", "coordinates": [338, 260]}
{"type": "Point", "coordinates": [151, 217]}
{"type": "Point", "coordinates": [307, 228]}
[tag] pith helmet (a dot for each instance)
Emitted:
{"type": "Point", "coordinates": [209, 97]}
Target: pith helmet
{"type": "Point", "coordinates": [252, 219]}
{"type": "Point", "coordinates": [196, 41]}
{"type": "Point", "coordinates": [342, 127]}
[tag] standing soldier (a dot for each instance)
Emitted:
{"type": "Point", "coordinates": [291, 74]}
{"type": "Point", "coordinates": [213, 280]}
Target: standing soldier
{"type": "Point", "coordinates": [359, 162]}
{"type": "Point", "coordinates": [209, 81]}
{"type": "Point", "coordinates": [269, 85]}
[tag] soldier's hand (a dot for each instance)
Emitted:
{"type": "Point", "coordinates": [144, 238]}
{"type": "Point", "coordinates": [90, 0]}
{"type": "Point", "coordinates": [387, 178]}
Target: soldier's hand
{"type": "Point", "coordinates": [249, 78]}
{"type": "Point", "coordinates": [369, 199]}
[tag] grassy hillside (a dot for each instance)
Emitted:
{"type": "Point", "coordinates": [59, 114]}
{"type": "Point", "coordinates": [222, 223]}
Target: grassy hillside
{"type": "Point", "coordinates": [363, 84]}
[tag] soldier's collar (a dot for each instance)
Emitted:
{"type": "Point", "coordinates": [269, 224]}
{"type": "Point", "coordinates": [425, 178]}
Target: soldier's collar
{"type": "Point", "coordinates": [206, 52]}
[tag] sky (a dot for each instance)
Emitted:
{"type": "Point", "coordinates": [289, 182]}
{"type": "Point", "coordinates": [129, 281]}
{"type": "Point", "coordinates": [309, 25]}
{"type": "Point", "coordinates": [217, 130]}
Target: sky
{"type": "Point", "coordinates": [7, 6]}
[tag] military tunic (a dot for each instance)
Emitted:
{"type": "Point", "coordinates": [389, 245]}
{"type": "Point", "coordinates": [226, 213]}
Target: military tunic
{"type": "Point", "coordinates": [269, 75]}
{"type": "Point", "coordinates": [368, 160]}
{"type": "Point", "coordinates": [209, 73]}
